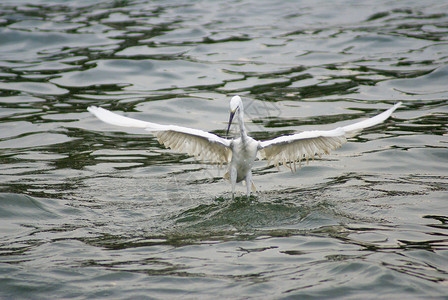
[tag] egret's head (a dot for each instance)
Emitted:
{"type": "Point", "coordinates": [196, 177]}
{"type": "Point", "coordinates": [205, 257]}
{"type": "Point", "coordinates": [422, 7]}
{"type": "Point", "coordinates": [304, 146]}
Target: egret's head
{"type": "Point", "coordinates": [235, 104]}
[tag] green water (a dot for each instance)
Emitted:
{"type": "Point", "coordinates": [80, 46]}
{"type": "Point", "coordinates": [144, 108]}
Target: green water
{"type": "Point", "coordinates": [89, 210]}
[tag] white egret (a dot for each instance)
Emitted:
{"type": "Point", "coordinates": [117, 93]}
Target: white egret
{"type": "Point", "coordinates": [242, 151]}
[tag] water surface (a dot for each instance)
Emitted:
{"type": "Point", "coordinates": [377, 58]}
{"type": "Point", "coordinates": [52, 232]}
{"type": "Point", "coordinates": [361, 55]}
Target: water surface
{"type": "Point", "coordinates": [88, 210]}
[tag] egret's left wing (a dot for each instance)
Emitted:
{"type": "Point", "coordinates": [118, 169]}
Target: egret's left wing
{"type": "Point", "coordinates": [201, 144]}
{"type": "Point", "coordinates": [292, 148]}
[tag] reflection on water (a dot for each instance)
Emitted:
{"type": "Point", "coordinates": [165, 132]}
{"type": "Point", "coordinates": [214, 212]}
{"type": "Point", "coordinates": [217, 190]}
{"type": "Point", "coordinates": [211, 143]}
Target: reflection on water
{"type": "Point", "coordinates": [88, 210]}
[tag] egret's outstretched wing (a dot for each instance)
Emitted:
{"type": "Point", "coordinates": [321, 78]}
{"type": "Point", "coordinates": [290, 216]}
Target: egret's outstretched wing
{"type": "Point", "coordinates": [201, 144]}
{"type": "Point", "coordinates": [292, 148]}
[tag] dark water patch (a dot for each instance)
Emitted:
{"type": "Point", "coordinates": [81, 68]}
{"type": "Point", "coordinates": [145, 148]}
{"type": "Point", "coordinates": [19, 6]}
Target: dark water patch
{"type": "Point", "coordinates": [443, 220]}
{"type": "Point", "coordinates": [240, 214]}
{"type": "Point", "coordinates": [23, 207]}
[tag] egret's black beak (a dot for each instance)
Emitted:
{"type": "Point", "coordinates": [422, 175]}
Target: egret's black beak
{"type": "Point", "coordinates": [230, 121]}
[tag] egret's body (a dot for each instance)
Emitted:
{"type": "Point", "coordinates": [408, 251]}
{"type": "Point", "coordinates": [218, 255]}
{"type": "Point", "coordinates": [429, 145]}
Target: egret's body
{"type": "Point", "coordinates": [242, 151]}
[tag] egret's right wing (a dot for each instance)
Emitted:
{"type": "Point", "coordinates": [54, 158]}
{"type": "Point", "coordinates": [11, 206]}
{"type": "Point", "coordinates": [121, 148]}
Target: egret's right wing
{"type": "Point", "coordinates": [296, 147]}
{"type": "Point", "coordinates": [198, 143]}
{"type": "Point", "coordinates": [292, 148]}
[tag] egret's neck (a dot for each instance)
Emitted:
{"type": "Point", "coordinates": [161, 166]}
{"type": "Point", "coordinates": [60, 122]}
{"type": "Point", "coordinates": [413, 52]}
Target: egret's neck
{"type": "Point", "coordinates": [241, 123]}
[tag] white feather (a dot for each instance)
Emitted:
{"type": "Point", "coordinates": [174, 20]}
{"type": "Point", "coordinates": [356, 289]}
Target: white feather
{"type": "Point", "coordinates": [292, 148]}
{"type": "Point", "coordinates": [198, 143]}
